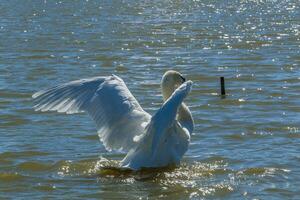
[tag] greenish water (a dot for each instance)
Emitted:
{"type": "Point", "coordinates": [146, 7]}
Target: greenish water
{"type": "Point", "coordinates": [245, 146]}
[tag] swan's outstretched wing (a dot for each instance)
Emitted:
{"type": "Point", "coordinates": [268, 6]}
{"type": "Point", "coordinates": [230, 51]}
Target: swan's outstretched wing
{"type": "Point", "coordinates": [162, 137]}
{"type": "Point", "coordinates": [165, 117]}
{"type": "Point", "coordinates": [118, 115]}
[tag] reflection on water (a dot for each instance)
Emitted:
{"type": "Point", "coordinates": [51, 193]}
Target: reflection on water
{"type": "Point", "coordinates": [245, 146]}
{"type": "Point", "coordinates": [210, 178]}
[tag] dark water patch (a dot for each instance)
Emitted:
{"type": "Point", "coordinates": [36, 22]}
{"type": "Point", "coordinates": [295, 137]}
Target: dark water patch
{"type": "Point", "coordinates": [12, 120]}
{"type": "Point", "coordinates": [22, 154]}
{"type": "Point", "coordinates": [35, 73]}
{"type": "Point", "coordinates": [249, 135]}
{"type": "Point", "coordinates": [253, 171]}
{"type": "Point", "coordinates": [216, 158]}
{"type": "Point", "coordinates": [90, 137]}
{"type": "Point", "coordinates": [5, 162]}
{"type": "Point", "coordinates": [27, 111]}
{"type": "Point", "coordinates": [13, 94]}
{"type": "Point", "coordinates": [202, 78]}
{"type": "Point", "coordinates": [121, 68]}
{"type": "Point", "coordinates": [251, 45]}
{"type": "Point", "coordinates": [150, 85]}
{"type": "Point", "coordinates": [262, 171]}
{"type": "Point", "coordinates": [11, 177]}
{"type": "Point", "coordinates": [262, 103]}
{"type": "Point", "coordinates": [33, 166]}
{"type": "Point", "coordinates": [35, 57]}
{"type": "Point", "coordinates": [114, 172]}
{"type": "Point", "coordinates": [284, 193]}
{"type": "Point", "coordinates": [234, 137]}
{"type": "Point", "coordinates": [292, 135]}
{"type": "Point", "coordinates": [95, 196]}
{"type": "Point", "coordinates": [4, 104]}
{"type": "Point", "coordinates": [44, 187]}
{"type": "Point", "coordinates": [233, 102]}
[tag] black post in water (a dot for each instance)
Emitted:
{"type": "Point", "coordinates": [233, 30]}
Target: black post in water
{"type": "Point", "coordinates": [222, 80]}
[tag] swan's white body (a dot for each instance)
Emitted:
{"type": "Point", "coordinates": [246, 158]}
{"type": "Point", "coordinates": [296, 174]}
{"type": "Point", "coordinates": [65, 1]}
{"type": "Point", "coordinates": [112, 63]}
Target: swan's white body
{"type": "Point", "coordinates": [122, 124]}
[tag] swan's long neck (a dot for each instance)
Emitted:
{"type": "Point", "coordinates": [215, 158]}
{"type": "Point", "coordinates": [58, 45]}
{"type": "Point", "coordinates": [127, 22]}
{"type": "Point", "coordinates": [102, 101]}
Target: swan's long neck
{"type": "Point", "coordinates": [184, 115]}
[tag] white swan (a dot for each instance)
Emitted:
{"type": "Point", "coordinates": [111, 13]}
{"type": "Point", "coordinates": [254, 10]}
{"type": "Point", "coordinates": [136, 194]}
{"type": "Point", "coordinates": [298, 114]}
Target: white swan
{"type": "Point", "coordinates": [122, 124]}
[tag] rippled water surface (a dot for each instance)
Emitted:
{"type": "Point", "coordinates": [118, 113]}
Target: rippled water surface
{"type": "Point", "coordinates": [246, 146]}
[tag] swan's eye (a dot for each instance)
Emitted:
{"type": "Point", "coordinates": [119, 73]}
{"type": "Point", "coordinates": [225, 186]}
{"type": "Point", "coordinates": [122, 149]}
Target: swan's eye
{"type": "Point", "coordinates": [183, 79]}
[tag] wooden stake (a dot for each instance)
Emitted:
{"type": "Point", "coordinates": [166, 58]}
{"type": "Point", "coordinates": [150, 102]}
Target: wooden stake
{"type": "Point", "coordinates": [222, 80]}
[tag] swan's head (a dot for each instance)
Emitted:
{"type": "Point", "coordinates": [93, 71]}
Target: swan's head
{"type": "Point", "coordinates": [170, 81]}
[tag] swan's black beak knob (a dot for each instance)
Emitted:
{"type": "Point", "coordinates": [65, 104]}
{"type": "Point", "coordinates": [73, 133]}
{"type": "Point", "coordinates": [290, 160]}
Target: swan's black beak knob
{"type": "Point", "coordinates": [183, 79]}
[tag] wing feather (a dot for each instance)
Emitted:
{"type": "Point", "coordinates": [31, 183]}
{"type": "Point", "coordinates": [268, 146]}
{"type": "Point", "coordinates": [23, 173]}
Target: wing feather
{"type": "Point", "coordinates": [117, 114]}
{"type": "Point", "coordinates": [165, 117]}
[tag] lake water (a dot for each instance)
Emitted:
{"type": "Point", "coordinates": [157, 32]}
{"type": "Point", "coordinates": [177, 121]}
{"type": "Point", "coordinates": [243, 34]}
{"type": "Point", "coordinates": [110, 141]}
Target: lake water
{"type": "Point", "coordinates": [246, 146]}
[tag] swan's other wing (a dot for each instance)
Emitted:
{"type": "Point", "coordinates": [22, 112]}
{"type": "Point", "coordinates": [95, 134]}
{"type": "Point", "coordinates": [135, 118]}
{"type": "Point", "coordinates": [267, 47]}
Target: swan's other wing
{"type": "Point", "coordinates": [165, 117]}
{"type": "Point", "coordinates": [118, 115]}
{"type": "Point", "coordinates": [161, 127]}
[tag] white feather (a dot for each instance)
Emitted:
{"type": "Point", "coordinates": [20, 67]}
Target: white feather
{"type": "Point", "coordinates": [117, 114]}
